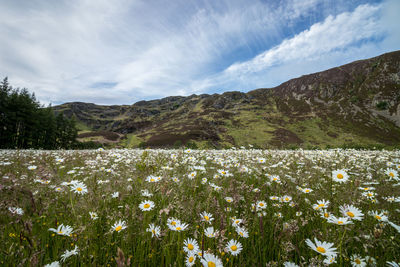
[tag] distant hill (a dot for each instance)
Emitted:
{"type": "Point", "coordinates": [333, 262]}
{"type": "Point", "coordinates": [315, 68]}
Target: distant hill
{"type": "Point", "coordinates": [357, 103]}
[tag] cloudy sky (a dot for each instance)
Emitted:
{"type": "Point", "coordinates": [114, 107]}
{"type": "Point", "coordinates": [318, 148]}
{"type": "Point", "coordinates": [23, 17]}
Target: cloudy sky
{"type": "Point", "coordinates": [124, 51]}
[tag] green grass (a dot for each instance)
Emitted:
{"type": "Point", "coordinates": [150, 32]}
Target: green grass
{"type": "Point", "coordinates": [277, 233]}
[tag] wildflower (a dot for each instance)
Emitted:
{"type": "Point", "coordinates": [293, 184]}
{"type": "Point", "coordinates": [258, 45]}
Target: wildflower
{"type": "Point", "coordinates": [274, 198]}
{"type": "Point", "coordinates": [192, 175]}
{"type": "Point", "coordinates": [285, 199]}
{"type": "Point", "coordinates": [32, 167]}
{"type": "Point", "coordinates": [306, 190]}
{"type": "Point", "coordinates": [191, 246]}
{"type": "Point", "coordinates": [53, 264]}
{"type": "Point", "coordinates": [340, 220]}
{"type": "Point", "coordinates": [397, 227]}
{"type": "Point", "coordinates": [367, 188]}
{"type": "Point", "coordinates": [380, 216]}
{"type": "Point", "coordinates": [115, 195]}
{"type": "Point", "coordinates": [93, 215]}
{"type": "Point", "coordinates": [211, 260]}
{"type": "Point", "coordinates": [357, 261]}
{"type": "Point", "coordinates": [242, 232]}
{"type": "Point", "coordinates": [204, 180]}
{"type": "Point", "coordinates": [324, 213]}
{"type": "Point", "coordinates": [172, 222]}
{"type": "Point", "coordinates": [234, 247]}
{"type": "Point", "coordinates": [153, 179]}
{"type": "Point", "coordinates": [260, 205]}
{"type": "Point", "coordinates": [69, 253]}
{"type": "Point", "coordinates": [352, 212]}
{"type": "Point", "coordinates": [261, 160]}
{"type": "Point", "coordinates": [79, 188]}
{"type": "Point", "coordinates": [146, 193]}
{"type": "Point", "coordinates": [321, 204]}
{"type": "Point", "coordinates": [371, 261]}
{"type": "Point", "coordinates": [393, 174]}
{"type": "Point", "coordinates": [63, 230]}
{"type": "Point", "coordinates": [179, 227]}
{"type": "Point", "coordinates": [175, 179]}
{"type": "Point", "coordinates": [15, 210]}
{"type": "Point", "coordinates": [236, 222]}
{"type": "Point", "coordinates": [118, 226]}
{"type": "Point", "coordinates": [290, 264]}
{"type": "Point", "coordinates": [146, 205]}
{"type": "Point", "coordinates": [206, 217]}
{"type": "Point", "coordinates": [392, 264]}
{"type": "Point", "coordinates": [369, 195]}
{"type": "Point", "coordinates": [190, 260]}
{"type": "Point", "coordinates": [330, 259]}
{"type": "Point", "coordinates": [229, 199]}
{"type": "Point", "coordinates": [324, 248]}
{"type": "Point", "coordinates": [340, 176]}
{"type": "Point", "coordinates": [209, 232]}
{"type": "Point", "coordinates": [154, 230]}
{"type": "Point", "coordinates": [275, 178]}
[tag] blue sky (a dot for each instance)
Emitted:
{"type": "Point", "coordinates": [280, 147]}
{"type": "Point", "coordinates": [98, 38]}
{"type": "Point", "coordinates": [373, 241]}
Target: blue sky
{"type": "Point", "coordinates": [124, 51]}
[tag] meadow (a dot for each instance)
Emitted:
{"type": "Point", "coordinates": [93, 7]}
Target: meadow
{"type": "Point", "coordinates": [236, 207]}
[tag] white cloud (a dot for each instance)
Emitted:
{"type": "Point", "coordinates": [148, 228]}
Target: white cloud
{"type": "Point", "coordinates": [337, 40]}
{"type": "Point", "coordinates": [120, 51]}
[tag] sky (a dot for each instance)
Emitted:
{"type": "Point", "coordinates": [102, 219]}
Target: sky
{"type": "Point", "coordinates": [123, 51]}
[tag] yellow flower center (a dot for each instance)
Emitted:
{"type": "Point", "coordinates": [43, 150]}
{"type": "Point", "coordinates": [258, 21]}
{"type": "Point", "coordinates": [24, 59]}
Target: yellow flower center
{"type": "Point", "coordinates": [191, 259]}
{"type": "Point", "coordinates": [370, 194]}
{"type": "Point", "coordinates": [321, 249]}
{"type": "Point", "coordinates": [339, 176]}
{"type": "Point", "coordinates": [152, 180]}
{"type": "Point", "coordinates": [339, 222]}
{"type": "Point", "coordinates": [326, 215]}
{"type": "Point", "coordinates": [261, 204]}
{"type": "Point", "coordinates": [79, 189]}
{"type": "Point", "coordinates": [118, 228]}
{"type": "Point", "coordinates": [274, 179]}
{"type": "Point", "coordinates": [178, 228]}
{"type": "Point", "coordinates": [320, 206]}
{"type": "Point", "coordinates": [206, 217]}
{"type": "Point", "coordinates": [237, 221]}
{"type": "Point", "coordinates": [234, 248]}
{"type": "Point", "coordinates": [190, 247]}
{"type": "Point", "coordinates": [60, 232]}
{"type": "Point", "coordinates": [378, 217]}
{"type": "Point", "coordinates": [357, 261]}
{"type": "Point", "coordinates": [286, 199]}
{"type": "Point", "coordinates": [146, 206]}
{"type": "Point", "coordinates": [241, 233]}
{"type": "Point", "coordinates": [391, 174]}
{"type": "Point", "coordinates": [349, 213]}
{"type": "Point", "coordinates": [173, 223]}
{"type": "Point", "coordinates": [307, 190]}
{"type": "Point", "coordinates": [211, 264]}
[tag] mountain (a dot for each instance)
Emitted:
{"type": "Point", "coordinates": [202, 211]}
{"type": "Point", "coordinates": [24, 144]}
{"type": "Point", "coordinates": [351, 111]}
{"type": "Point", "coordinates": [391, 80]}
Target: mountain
{"type": "Point", "coordinates": [357, 103]}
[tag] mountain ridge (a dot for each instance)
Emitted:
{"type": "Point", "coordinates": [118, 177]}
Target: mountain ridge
{"type": "Point", "coordinates": [358, 102]}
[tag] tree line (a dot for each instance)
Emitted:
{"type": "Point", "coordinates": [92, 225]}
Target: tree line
{"type": "Point", "coordinates": [25, 123]}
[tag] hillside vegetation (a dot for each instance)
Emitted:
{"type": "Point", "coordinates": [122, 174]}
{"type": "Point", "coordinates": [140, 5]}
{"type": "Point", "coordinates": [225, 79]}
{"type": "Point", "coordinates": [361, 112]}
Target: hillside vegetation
{"type": "Point", "coordinates": [357, 103]}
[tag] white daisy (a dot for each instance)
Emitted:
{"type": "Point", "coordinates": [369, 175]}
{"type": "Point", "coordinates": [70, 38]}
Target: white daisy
{"type": "Point", "coordinates": [324, 248]}
{"type": "Point", "coordinates": [234, 247]}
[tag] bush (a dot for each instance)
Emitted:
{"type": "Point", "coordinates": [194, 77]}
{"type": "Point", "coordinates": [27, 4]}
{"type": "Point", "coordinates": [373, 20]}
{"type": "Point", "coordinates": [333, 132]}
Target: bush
{"type": "Point", "coordinates": [382, 105]}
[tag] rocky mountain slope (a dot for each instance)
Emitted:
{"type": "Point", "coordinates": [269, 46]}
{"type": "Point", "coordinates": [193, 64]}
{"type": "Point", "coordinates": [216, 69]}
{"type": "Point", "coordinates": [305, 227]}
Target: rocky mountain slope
{"type": "Point", "coordinates": [357, 103]}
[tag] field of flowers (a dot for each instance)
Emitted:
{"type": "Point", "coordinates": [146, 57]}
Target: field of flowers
{"type": "Point", "coordinates": [237, 207]}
